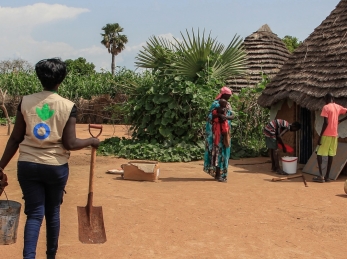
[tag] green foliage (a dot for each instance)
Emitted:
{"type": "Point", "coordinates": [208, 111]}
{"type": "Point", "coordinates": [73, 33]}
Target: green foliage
{"type": "Point", "coordinates": [169, 151]}
{"type": "Point", "coordinates": [247, 128]}
{"type": "Point", "coordinates": [80, 66]}
{"type": "Point", "coordinates": [195, 54]}
{"type": "Point", "coordinates": [74, 86]}
{"type": "Point", "coordinates": [19, 84]}
{"type": "Point", "coordinates": [292, 43]}
{"type": "Point", "coordinates": [200, 53]}
{"type": "Point", "coordinates": [158, 55]}
{"type": "Point", "coordinates": [3, 120]}
{"type": "Point", "coordinates": [171, 108]}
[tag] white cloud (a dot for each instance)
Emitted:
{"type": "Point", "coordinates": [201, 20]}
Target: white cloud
{"type": "Point", "coordinates": [168, 36]}
{"type": "Point", "coordinates": [16, 40]}
{"type": "Point", "coordinates": [32, 15]}
{"type": "Point", "coordinates": [135, 47]}
{"type": "Point", "coordinates": [17, 24]}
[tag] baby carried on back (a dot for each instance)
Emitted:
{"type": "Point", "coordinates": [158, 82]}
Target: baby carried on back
{"type": "Point", "coordinates": [221, 126]}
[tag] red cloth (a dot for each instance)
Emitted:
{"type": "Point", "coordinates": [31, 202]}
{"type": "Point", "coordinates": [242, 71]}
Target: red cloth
{"type": "Point", "coordinates": [289, 148]}
{"type": "Point", "coordinates": [224, 90]}
{"type": "Point", "coordinates": [219, 127]}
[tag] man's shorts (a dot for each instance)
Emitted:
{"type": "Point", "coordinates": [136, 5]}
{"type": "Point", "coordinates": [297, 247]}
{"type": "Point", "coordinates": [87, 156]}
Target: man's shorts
{"type": "Point", "coordinates": [328, 146]}
{"type": "Point", "coordinates": [271, 143]}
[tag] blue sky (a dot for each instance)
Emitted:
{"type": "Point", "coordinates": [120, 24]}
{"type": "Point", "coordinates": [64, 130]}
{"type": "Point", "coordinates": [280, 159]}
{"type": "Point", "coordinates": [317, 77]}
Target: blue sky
{"type": "Point", "coordinates": [34, 30]}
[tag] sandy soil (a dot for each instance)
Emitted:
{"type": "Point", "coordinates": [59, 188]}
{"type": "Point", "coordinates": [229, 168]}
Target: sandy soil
{"type": "Point", "coordinates": [188, 215]}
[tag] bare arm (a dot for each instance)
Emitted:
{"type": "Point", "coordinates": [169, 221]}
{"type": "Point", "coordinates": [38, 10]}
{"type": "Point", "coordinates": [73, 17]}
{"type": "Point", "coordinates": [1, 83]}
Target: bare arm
{"type": "Point", "coordinates": [279, 139]}
{"type": "Point", "coordinates": [325, 125]}
{"type": "Point", "coordinates": [13, 142]}
{"type": "Point", "coordinates": [231, 117]}
{"type": "Point", "coordinates": [343, 119]}
{"type": "Point", "coordinates": [70, 141]}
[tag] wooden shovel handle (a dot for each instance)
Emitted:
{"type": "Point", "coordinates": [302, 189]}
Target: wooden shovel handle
{"type": "Point", "coordinates": [91, 179]}
{"type": "Point", "coordinates": [92, 166]}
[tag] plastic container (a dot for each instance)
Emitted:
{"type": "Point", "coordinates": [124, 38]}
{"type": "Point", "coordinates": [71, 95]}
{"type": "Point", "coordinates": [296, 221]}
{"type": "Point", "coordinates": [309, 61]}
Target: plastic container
{"type": "Point", "coordinates": [9, 219]}
{"type": "Point", "coordinates": [289, 164]}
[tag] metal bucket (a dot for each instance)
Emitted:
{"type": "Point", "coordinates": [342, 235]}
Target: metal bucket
{"type": "Point", "coordinates": [9, 219]}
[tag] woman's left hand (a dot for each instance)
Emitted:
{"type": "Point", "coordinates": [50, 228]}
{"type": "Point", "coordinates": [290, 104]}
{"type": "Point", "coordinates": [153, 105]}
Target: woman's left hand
{"type": "Point", "coordinates": [231, 117]}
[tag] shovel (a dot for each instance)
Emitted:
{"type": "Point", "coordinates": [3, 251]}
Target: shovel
{"type": "Point", "coordinates": [91, 229]}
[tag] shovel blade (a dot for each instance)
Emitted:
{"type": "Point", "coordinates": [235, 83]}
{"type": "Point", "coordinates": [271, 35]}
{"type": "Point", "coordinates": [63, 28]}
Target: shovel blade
{"type": "Point", "coordinates": [91, 229]}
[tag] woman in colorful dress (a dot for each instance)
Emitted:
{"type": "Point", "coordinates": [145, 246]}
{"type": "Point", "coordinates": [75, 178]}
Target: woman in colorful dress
{"type": "Point", "coordinates": [216, 159]}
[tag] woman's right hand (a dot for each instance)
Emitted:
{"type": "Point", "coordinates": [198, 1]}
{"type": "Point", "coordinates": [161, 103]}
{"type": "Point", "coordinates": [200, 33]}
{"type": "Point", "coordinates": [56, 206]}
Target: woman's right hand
{"type": "Point", "coordinates": [95, 143]}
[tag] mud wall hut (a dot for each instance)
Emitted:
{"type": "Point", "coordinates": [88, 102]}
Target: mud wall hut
{"type": "Point", "coordinates": [266, 53]}
{"type": "Point", "coordinates": [317, 67]}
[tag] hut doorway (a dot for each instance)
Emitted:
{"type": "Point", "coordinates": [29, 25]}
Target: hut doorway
{"type": "Point", "coordinates": [305, 136]}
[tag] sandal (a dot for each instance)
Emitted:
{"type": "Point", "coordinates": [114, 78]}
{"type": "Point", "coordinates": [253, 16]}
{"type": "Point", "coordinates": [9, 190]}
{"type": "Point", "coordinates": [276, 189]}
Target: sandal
{"type": "Point", "coordinates": [318, 179]}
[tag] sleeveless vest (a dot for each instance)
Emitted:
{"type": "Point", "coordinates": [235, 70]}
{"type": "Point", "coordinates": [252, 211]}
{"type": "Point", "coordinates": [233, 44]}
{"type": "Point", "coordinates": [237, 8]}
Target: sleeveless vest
{"type": "Point", "coordinates": [45, 114]}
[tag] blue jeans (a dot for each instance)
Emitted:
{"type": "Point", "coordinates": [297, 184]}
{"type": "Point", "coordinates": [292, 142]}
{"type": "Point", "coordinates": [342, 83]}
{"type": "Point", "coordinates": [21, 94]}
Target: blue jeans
{"type": "Point", "coordinates": [42, 187]}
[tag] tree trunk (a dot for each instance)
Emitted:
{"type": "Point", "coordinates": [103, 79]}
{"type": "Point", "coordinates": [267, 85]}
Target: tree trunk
{"type": "Point", "coordinates": [113, 64]}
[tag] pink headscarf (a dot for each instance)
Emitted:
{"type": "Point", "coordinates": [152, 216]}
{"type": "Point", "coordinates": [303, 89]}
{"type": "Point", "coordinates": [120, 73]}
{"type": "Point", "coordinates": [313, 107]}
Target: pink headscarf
{"type": "Point", "coordinates": [224, 90]}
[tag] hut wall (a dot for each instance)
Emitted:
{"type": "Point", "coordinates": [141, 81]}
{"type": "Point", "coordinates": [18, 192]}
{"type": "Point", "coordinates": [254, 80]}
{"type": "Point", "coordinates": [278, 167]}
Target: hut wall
{"type": "Point", "coordinates": [316, 136]}
{"type": "Point", "coordinates": [289, 114]}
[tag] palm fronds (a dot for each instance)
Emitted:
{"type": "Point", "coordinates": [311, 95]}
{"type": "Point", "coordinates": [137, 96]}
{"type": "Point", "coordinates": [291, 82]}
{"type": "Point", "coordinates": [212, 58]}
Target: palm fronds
{"type": "Point", "coordinates": [194, 54]}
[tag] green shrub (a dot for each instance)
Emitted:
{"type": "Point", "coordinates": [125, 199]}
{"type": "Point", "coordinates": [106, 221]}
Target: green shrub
{"type": "Point", "coordinates": [75, 85]}
{"type": "Point", "coordinates": [171, 108]}
{"type": "Point", "coordinates": [169, 151]}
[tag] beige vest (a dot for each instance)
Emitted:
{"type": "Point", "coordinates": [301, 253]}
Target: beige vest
{"type": "Point", "coordinates": [45, 114]}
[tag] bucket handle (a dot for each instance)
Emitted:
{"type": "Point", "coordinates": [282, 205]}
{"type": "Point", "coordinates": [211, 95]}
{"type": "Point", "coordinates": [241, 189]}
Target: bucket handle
{"type": "Point", "coordinates": [6, 198]}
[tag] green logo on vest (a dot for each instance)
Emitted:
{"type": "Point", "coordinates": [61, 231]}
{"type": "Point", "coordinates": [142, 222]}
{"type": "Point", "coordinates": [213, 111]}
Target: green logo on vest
{"type": "Point", "coordinates": [45, 112]}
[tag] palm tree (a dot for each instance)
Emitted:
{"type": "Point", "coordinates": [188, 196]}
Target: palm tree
{"type": "Point", "coordinates": [192, 55]}
{"type": "Point", "coordinates": [113, 41]}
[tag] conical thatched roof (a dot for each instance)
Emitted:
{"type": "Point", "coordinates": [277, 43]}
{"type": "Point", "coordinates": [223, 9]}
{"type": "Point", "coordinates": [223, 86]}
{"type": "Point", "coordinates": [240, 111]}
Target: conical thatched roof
{"type": "Point", "coordinates": [266, 53]}
{"type": "Point", "coordinates": [317, 67]}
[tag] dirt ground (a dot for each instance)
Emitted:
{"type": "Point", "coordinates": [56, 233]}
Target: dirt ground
{"type": "Point", "coordinates": [186, 214]}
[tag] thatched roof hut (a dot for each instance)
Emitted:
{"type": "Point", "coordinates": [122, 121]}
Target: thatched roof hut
{"type": "Point", "coordinates": [266, 53]}
{"type": "Point", "coordinates": [317, 67]}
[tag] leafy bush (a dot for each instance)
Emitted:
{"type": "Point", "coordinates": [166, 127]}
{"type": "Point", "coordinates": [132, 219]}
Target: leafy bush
{"type": "Point", "coordinates": [247, 128]}
{"type": "Point", "coordinates": [172, 108]}
{"type": "Point", "coordinates": [80, 66]}
{"type": "Point", "coordinates": [169, 151]}
{"type": "Point", "coordinates": [75, 85]}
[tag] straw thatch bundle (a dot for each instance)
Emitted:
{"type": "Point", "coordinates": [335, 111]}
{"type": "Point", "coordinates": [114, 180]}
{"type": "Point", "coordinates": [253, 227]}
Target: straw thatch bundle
{"type": "Point", "coordinates": [317, 67]}
{"type": "Point", "coordinates": [266, 53]}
